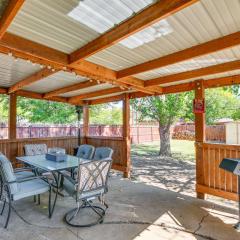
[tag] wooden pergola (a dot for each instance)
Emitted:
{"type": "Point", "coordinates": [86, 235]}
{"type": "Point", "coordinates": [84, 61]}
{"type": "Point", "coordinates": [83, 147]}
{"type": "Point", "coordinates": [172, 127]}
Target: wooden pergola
{"type": "Point", "coordinates": [48, 56]}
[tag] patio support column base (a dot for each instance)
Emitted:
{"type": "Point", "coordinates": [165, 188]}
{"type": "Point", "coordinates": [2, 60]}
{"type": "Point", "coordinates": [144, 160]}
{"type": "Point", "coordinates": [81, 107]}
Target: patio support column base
{"type": "Point", "coordinates": [201, 195]}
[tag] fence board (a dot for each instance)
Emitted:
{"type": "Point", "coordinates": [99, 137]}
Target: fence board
{"type": "Point", "coordinates": [218, 181]}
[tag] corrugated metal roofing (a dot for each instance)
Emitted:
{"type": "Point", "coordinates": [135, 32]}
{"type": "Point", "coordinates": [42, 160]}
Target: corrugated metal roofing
{"type": "Point", "coordinates": [88, 90]}
{"type": "Point", "coordinates": [219, 57]}
{"type": "Point", "coordinates": [13, 70]}
{"type": "Point", "coordinates": [212, 76]}
{"type": "Point", "coordinates": [199, 23]}
{"type": "Point", "coordinates": [47, 22]}
{"type": "Point", "coordinates": [54, 81]}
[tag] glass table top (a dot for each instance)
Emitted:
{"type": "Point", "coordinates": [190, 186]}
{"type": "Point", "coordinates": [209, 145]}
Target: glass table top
{"type": "Point", "coordinates": [40, 161]}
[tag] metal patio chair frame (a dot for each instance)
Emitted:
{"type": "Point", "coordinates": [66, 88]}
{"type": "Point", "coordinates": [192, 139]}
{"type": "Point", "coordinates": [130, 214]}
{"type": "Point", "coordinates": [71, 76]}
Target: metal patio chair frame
{"type": "Point", "coordinates": [92, 187]}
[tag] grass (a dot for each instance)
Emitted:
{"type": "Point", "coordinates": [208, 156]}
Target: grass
{"type": "Point", "coordinates": [181, 149]}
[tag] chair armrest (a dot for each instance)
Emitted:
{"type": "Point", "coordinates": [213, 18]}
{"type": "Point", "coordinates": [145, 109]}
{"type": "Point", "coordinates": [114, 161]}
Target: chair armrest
{"type": "Point", "coordinates": [32, 178]}
{"type": "Point", "coordinates": [16, 170]}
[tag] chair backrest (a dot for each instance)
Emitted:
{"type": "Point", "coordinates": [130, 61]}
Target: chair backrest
{"type": "Point", "coordinates": [85, 151]}
{"type": "Point", "coordinates": [103, 153]}
{"type": "Point", "coordinates": [7, 173]}
{"type": "Point", "coordinates": [35, 149]}
{"type": "Point", "coordinates": [93, 177]}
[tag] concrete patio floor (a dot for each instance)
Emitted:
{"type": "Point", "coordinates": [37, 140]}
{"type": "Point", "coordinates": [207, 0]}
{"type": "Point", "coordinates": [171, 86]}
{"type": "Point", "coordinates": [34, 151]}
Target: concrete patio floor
{"type": "Point", "coordinates": [157, 203]}
{"type": "Point", "coordinates": [137, 211]}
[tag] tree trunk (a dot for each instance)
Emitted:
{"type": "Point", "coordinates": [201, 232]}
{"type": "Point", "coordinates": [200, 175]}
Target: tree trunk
{"type": "Point", "coordinates": [165, 148]}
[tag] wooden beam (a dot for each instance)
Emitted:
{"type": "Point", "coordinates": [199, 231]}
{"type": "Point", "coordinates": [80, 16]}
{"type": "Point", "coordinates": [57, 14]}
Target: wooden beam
{"type": "Point", "coordinates": [38, 53]}
{"type": "Point", "coordinates": [222, 82]}
{"type": "Point", "coordinates": [31, 79]}
{"type": "Point", "coordinates": [106, 100]}
{"type": "Point", "coordinates": [126, 135]}
{"type": "Point", "coordinates": [186, 54]}
{"type": "Point", "coordinates": [8, 15]}
{"type": "Point", "coordinates": [147, 17]}
{"type": "Point", "coordinates": [34, 95]}
{"type": "Point", "coordinates": [96, 94]}
{"type": "Point", "coordinates": [3, 90]}
{"type": "Point", "coordinates": [70, 88]}
{"type": "Point", "coordinates": [220, 68]}
{"type": "Point", "coordinates": [12, 118]}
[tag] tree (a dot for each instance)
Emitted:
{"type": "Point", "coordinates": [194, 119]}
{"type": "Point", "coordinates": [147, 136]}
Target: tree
{"type": "Point", "coordinates": [220, 103]}
{"type": "Point", "coordinates": [165, 109]}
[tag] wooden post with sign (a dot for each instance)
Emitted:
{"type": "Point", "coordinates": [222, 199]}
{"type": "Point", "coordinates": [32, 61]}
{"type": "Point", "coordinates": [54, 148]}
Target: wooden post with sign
{"type": "Point", "coordinates": [199, 110]}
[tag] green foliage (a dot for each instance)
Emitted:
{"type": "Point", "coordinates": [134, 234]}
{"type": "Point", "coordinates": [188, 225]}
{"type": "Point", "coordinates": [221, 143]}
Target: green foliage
{"type": "Point", "coordinates": [38, 111]}
{"type": "Point", "coordinates": [220, 103]}
{"type": "Point", "coordinates": [3, 108]}
{"type": "Point", "coordinates": [108, 114]}
{"type": "Point", "coordinates": [165, 109]}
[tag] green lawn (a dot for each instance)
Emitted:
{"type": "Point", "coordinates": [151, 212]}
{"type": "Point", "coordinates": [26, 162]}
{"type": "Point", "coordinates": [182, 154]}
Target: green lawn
{"type": "Point", "coordinates": [181, 149]}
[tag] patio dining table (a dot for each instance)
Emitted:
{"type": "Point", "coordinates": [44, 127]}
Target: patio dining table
{"type": "Point", "coordinates": [40, 162]}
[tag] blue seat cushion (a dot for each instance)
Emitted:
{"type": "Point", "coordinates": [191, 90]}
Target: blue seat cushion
{"type": "Point", "coordinates": [103, 153]}
{"type": "Point", "coordinates": [30, 188]}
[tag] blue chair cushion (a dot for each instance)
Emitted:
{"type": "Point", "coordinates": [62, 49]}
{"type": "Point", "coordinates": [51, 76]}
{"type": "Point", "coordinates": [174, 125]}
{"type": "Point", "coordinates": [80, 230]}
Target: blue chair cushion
{"type": "Point", "coordinates": [35, 149]}
{"type": "Point", "coordinates": [30, 188]}
{"type": "Point", "coordinates": [8, 173]}
{"type": "Point", "coordinates": [103, 153]}
{"type": "Point", "coordinates": [85, 151]}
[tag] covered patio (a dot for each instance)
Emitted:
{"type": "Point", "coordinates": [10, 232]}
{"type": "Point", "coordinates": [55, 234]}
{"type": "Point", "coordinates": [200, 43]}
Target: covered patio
{"type": "Point", "coordinates": [93, 52]}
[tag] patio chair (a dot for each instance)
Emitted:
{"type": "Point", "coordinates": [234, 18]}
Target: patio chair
{"type": "Point", "coordinates": [85, 151]}
{"type": "Point", "coordinates": [16, 189]}
{"type": "Point", "coordinates": [20, 173]}
{"type": "Point", "coordinates": [91, 183]}
{"type": "Point", "coordinates": [102, 153]}
{"type": "Point", "coordinates": [35, 149]}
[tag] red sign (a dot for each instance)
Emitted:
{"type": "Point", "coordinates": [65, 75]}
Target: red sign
{"type": "Point", "coordinates": [198, 105]}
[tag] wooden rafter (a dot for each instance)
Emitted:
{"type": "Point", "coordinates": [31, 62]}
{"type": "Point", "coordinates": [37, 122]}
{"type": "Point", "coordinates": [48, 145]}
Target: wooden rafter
{"type": "Point", "coordinates": [220, 68]}
{"type": "Point", "coordinates": [45, 72]}
{"type": "Point", "coordinates": [38, 53]}
{"type": "Point", "coordinates": [99, 93]}
{"type": "Point", "coordinates": [147, 17]}
{"type": "Point", "coordinates": [186, 54]}
{"type": "Point", "coordinates": [70, 88]}
{"type": "Point", "coordinates": [3, 90]}
{"type": "Point", "coordinates": [8, 15]}
{"type": "Point", "coordinates": [106, 100]}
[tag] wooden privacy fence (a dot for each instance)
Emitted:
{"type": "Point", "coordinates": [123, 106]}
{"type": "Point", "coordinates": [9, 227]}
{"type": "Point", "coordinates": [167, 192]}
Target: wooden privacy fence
{"type": "Point", "coordinates": [213, 180]}
{"type": "Point", "coordinates": [215, 133]}
{"type": "Point", "coordinates": [139, 134]}
{"type": "Point", "coordinates": [14, 148]}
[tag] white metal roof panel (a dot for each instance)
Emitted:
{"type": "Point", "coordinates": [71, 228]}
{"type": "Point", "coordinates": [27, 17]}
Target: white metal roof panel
{"type": "Point", "coordinates": [47, 22]}
{"type": "Point", "coordinates": [13, 70]}
{"type": "Point", "coordinates": [199, 23]}
{"type": "Point", "coordinates": [54, 81]}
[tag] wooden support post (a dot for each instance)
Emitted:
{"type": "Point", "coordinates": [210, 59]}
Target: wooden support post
{"type": "Point", "coordinates": [199, 136]}
{"type": "Point", "coordinates": [12, 117]}
{"type": "Point", "coordinates": [126, 134]}
{"type": "Point", "coordinates": [85, 123]}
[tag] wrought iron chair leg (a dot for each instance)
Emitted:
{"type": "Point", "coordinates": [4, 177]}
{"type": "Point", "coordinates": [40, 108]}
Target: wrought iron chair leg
{"type": "Point", "coordinates": [49, 203]}
{"type": "Point", "coordinates": [4, 203]}
{"type": "Point", "coordinates": [9, 210]}
{"type": "Point", "coordinates": [34, 198]}
{"type": "Point", "coordinates": [39, 199]}
{"type": "Point", "coordinates": [69, 216]}
{"type": "Point", "coordinates": [1, 188]}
